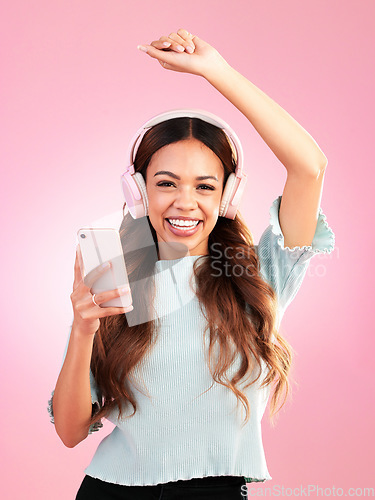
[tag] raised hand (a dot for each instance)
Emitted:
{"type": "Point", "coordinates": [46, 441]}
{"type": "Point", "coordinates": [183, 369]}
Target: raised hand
{"type": "Point", "coordinates": [184, 52]}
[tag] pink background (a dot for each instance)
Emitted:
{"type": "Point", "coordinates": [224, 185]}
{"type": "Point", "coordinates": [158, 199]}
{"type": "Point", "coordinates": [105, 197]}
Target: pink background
{"type": "Point", "coordinates": [74, 91]}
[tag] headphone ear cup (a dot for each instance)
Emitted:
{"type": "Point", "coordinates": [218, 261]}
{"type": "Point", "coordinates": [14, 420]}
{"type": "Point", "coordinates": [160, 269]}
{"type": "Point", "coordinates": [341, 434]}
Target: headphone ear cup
{"type": "Point", "coordinates": [138, 177]}
{"type": "Point", "coordinates": [227, 194]}
{"type": "Point", "coordinates": [134, 189]}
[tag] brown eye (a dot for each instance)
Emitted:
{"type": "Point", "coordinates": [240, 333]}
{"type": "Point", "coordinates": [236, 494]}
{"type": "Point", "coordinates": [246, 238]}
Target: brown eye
{"type": "Point", "coordinates": [164, 183]}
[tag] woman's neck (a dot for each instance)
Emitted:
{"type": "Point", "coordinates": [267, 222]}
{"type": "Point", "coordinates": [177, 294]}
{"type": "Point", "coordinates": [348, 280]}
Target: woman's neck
{"type": "Point", "coordinates": [172, 250]}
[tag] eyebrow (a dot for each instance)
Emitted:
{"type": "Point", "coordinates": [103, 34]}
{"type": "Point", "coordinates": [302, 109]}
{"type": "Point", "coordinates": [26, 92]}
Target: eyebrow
{"type": "Point", "coordinates": [200, 178]}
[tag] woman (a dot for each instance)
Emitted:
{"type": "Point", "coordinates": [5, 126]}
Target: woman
{"type": "Point", "coordinates": [185, 376]}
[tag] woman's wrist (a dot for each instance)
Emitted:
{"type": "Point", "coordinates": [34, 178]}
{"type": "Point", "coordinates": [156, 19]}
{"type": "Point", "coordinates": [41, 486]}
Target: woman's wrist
{"type": "Point", "coordinates": [79, 332]}
{"type": "Point", "coordinates": [217, 72]}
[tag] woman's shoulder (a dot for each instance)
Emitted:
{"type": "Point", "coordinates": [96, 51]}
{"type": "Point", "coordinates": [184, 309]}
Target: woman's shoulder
{"type": "Point", "coordinates": [283, 267]}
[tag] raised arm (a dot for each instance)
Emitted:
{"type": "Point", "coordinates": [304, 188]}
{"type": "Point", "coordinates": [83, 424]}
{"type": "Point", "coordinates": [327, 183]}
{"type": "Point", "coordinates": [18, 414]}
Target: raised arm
{"type": "Point", "coordinates": [290, 142]}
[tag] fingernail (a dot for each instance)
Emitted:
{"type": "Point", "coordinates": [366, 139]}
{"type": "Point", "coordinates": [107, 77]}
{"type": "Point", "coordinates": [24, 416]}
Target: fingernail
{"type": "Point", "coordinates": [142, 48]}
{"type": "Point", "coordinates": [189, 49]}
{"type": "Point", "coordinates": [105, 265]}
{"type": "Point", "coordinates": [166, 44]}
{"type": "Point", "coordinates": [124, 289]}
{"type": "Point", "coordinates": [180, 48]}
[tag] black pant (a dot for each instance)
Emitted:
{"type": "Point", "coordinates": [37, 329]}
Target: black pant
{"type": "Point", "coordinates": [215, 488]}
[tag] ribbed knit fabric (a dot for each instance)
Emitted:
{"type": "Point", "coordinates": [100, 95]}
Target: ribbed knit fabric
{"type": "Point", "coordinates": [191, 426]}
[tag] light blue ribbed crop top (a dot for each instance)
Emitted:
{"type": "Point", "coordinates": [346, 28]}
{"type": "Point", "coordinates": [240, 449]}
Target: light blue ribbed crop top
{"type": "Point", "coordinates": [183, 430]}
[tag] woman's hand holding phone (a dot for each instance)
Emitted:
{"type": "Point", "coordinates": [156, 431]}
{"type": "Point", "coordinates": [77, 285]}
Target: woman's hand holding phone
{"type": "Point", "coordinates": [86, 314]}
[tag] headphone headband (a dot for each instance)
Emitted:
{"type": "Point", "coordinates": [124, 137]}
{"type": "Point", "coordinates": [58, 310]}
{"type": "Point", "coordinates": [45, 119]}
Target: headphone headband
{"type": "Point", "coordinates": [206, 116]}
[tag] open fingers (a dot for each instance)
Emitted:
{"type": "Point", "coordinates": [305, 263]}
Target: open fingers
{"type": "Point", "coordinates": [112, 311]}
{"type": "Point", "coordinates": [104, 312]}
{"type": "Point", "coordinates": [101, 298]}
{"type": "Point", "coordinates": [92, 276]}
{"type": "Point", "coordinates": [89, 308]}
{"type": "Point", "coordinates": [77, 268]}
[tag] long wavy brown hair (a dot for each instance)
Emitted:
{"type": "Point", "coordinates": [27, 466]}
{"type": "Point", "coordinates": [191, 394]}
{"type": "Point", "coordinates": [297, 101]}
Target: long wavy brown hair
{"type": "Point", "coordinates": [240, 307]}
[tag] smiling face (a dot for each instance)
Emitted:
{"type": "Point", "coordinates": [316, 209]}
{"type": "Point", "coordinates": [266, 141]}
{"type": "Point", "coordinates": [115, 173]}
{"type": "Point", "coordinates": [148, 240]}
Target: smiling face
{"type": "Point", "coordinates": [184, 182]}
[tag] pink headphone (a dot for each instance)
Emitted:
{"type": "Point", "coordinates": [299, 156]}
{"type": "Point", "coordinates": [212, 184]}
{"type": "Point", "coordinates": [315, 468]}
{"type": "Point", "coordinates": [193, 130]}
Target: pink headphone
{"type": "Point", "coordinates": [133, 183]}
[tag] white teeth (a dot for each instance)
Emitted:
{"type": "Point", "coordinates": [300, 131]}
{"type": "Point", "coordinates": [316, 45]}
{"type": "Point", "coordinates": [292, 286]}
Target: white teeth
{"type": "Point", "coordinates": [183, 223]}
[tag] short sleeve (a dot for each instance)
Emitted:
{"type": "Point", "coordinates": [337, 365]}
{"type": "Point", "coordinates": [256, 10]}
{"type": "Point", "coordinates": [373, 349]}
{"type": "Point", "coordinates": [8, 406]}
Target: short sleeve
{"type": "Point", "coordinates": [284, 268]}
{"type": "Point", "coordinates": [96, 397]}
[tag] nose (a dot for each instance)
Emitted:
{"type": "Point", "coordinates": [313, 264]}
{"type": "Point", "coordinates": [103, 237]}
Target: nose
{"type": "Point", "coordinates": [185, 199]}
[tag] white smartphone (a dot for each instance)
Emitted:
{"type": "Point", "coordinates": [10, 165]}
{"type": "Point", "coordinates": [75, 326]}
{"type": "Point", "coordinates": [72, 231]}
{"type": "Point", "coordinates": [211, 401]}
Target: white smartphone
{"type": "Point", "coordinates": [99, 245]}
